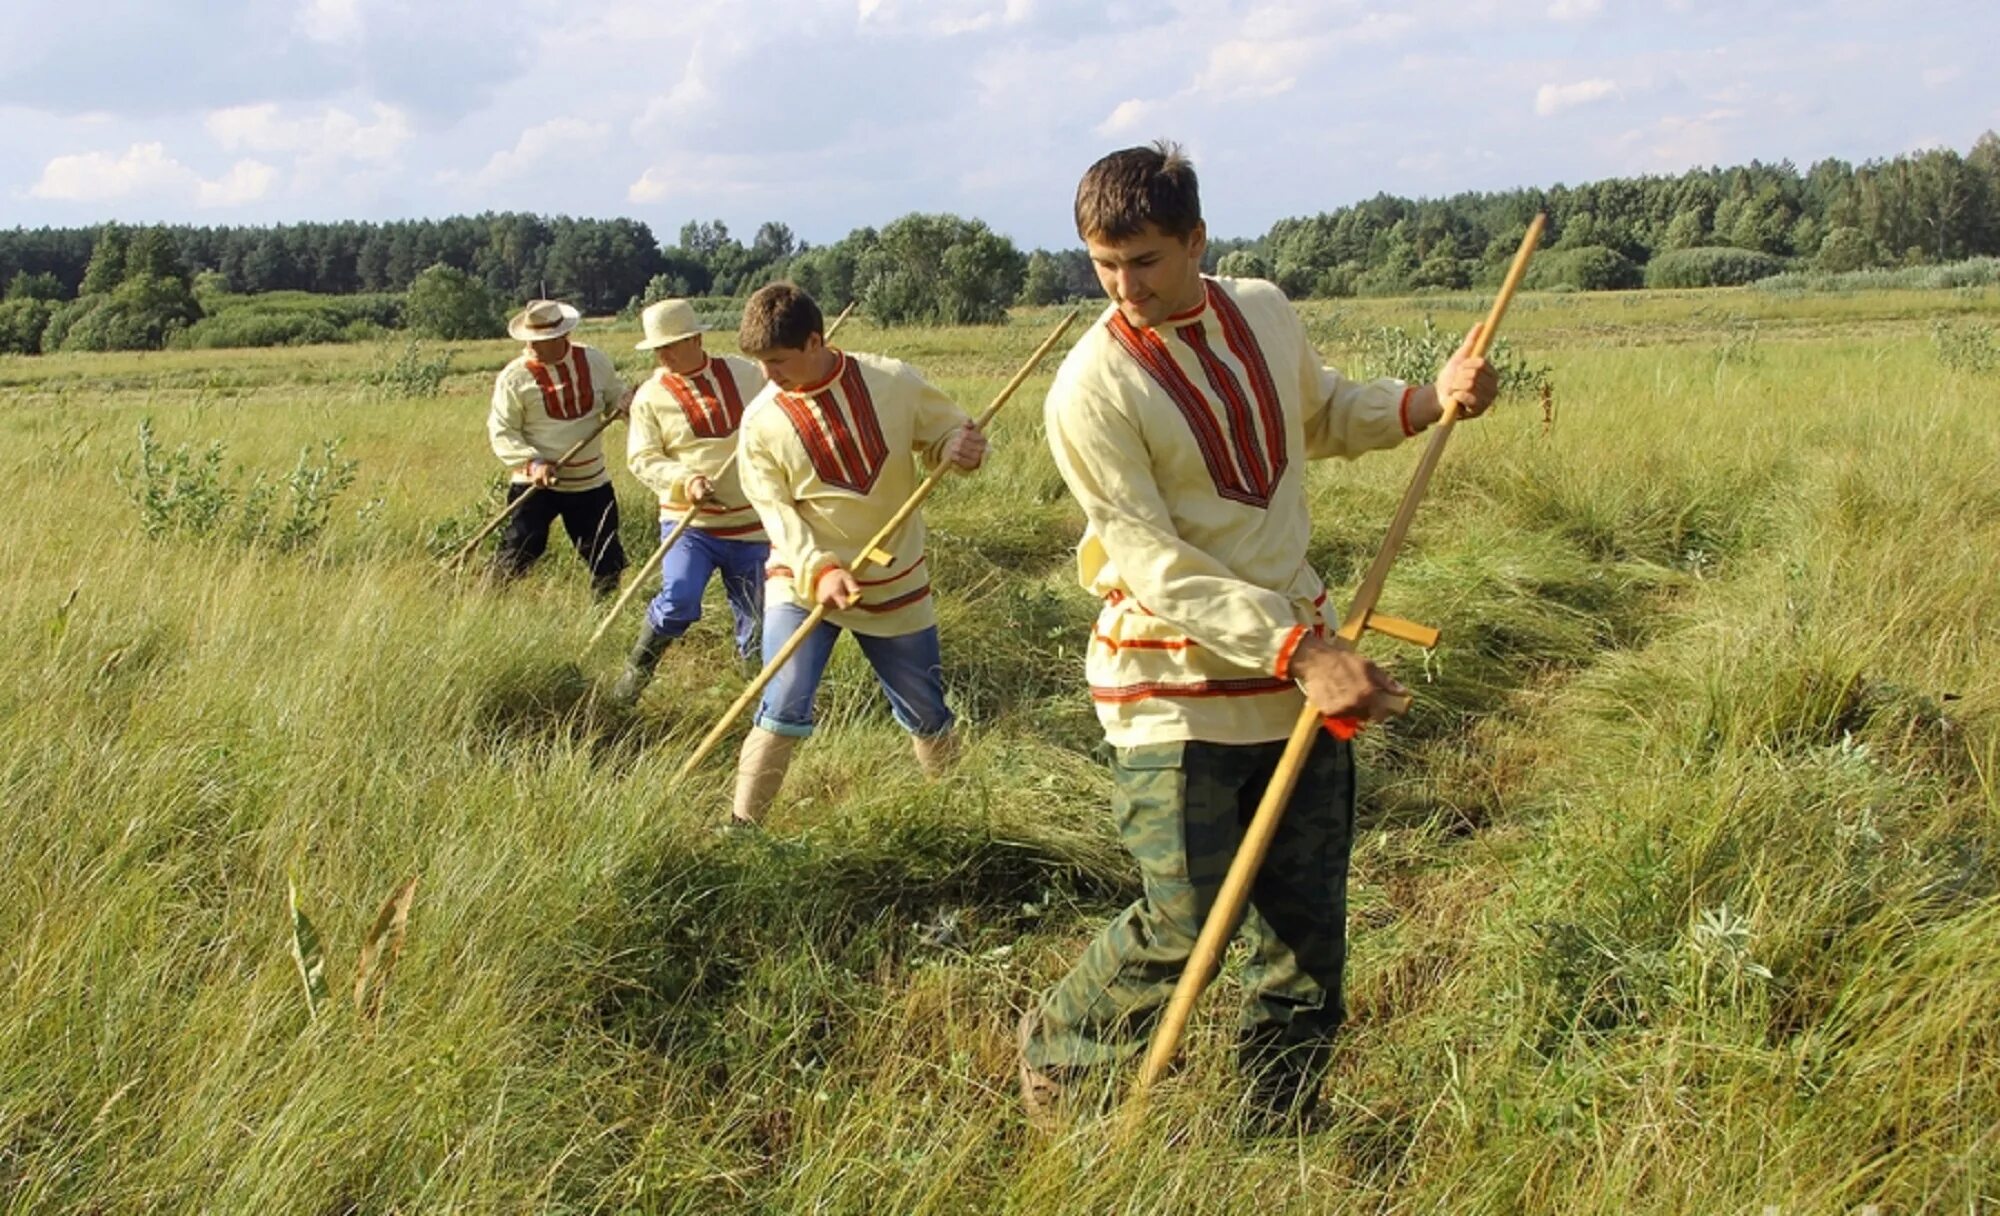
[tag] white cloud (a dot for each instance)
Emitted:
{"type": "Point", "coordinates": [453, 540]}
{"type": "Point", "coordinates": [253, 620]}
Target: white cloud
{"type": "Point", "coordinates": [1254, 69]}
{"type": "Point", "coordinates": [1128, 114]}
{"type": "Point", "coordinates": [146, 170]}
{"type": "Point", "coordinates": [1938, 77]}
{"type": "Point", "coordinates": [537, 146]}
{"type": "Point", "coordinates": [246, 182]}
{"type": "Point", "coordinates": [943, 18]}
{"type": "Point", "coordinates": [330, 20]}
{"type": "Point", "coordinates": [92, 177]}
{"type": "Point", "coordinates": [1575, 10]}
{"type": "Point", "coordinates": [1555, 98]}
{"type": "Point", "coordinates": [333, 134]}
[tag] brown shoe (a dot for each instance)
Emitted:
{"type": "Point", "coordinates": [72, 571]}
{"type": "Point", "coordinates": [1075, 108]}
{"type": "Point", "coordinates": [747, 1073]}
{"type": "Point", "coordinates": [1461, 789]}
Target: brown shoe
{"type": "Point", "coordinates": [1041, 1094]}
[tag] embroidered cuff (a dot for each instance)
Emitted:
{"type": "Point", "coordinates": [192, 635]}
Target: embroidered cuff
{"type": "Point", "coordinates": [1283, 669]}
{"type": "Point", "coordinates": [1403, 411]}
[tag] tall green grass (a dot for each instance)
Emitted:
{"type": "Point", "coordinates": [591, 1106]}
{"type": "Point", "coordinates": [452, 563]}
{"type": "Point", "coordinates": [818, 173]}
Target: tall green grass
{"type": "Point", "coordinates": [1677, 891]}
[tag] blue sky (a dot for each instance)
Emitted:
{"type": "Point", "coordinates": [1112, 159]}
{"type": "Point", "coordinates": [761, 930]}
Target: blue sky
{"type": "Point", "coordinates": [830, 115]}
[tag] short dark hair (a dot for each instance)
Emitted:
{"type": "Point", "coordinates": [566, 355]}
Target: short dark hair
{"type": "Point", "coordinates": [779, 316]}
{"type": "Point", "coordinates": [1127, 190]}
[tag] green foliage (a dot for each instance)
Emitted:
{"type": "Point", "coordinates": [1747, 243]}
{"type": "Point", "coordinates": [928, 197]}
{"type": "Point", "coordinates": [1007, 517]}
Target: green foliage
{"type": "Point", "coordinates": [1966, 346]}
{"type": "Point", "coordinates": [940, 270]}
{"type": "Point", "coordinates": [186, 492]}
{"type": "Point", "coordinates": [1582, 268]}
{"type": "Point", "coordinates": [1052, 278]}
{"type": "Point", "coordinates": [43, 286]}
{"type": "Point", "coordinates": [107, 261]}
{"type": "Point", "coordinates": [444, 302]}
{"type": "Point", "coordinates": [412, 371]}
{"type": "Point", "coordinates": [1972, 273]}
{"type": "Point", "coordinates": [1417, 356]}
{"type": "Point", "coordinates": [21, 324]}
{"type": "Point", "coordinates": [289, 318]}
{"type": "Point", "coordinates": [1713, 266]}
{"type": "Point", "coordinates": [1844, 249]}
{"type": "Point", "coordinates": [1243, 264]}
{"type": "Point", "coordinates": [142, 313]}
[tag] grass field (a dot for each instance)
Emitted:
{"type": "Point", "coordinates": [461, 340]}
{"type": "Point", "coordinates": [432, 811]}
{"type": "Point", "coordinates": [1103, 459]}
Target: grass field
{"type": "Point", "coordinates": [1678, 892]}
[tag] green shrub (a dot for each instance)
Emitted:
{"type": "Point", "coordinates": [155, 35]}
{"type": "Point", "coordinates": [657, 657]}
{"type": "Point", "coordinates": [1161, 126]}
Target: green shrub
{"type": "Point", "coordinates": [1585, 268]}
{"type": "Point", "coordinates": [411, 373]}
{"type": "Point", "coordinates": [245, 327]}
{"type": "Point", "coordinates": [185, 492]}
{"type": "Point", "coordinates": [445, 302]}
{"type": "Point", "coordinates": [21, 324]}
{"type": "Point", "coordinates": [44, 286]}
{"type": "Point", "coordinates": [142, 313]}
{"type": "Point", "coordinates": [1972, 272]}
{"type": "Point", "coordinates": [1965, 346]}
{"type": "Point", "coordinates": [1711, 266]}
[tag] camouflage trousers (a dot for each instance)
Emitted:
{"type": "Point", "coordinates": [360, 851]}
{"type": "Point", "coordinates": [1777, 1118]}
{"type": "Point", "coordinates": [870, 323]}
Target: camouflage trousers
{"type": "Point", "coordinates": [1181, 810]}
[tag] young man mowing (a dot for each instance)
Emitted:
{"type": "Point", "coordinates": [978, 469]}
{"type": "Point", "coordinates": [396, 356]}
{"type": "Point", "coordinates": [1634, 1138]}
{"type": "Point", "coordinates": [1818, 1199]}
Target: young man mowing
{"type": "Point", "coordinates": [553, 394]}
{"type": "Point", "coordinates": [683, 444]}
{"type": "Point", "coordinates": [1182, 422]}
{"type": "Point", "coordinates": [826, 456]}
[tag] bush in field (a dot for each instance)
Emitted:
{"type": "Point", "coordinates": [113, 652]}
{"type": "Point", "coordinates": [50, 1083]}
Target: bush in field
{"type": "Point", "coordinates": [142, 313]}
{"type": "Point", "coordinates": [413, 372]}
{"type": "Point", "coordinates": [1711, 266]}
{"type": "Point", "coordinates": [1417, 356]}
{"type": "Point", "coordinates": [1965, 346]}
{"type": "Point", "coordinates": [445, 302]}
{"type": "Point", "coordinates": [1844, 249]}
{"type": "Point", "coordinates": [290, 318]}
{"type": "Point", "coordinates": [186, 492]}
{"type": "Point", "coordinates": [1972, 272]}
{"type": "Point", "coordinates": [1586, 268]}
{"type": "Point", "coordinates": [940, 270]}
{"type": "Point", "coordinates": [21, 325]}
{"type": "Point", "coordinates": [1243, 264]}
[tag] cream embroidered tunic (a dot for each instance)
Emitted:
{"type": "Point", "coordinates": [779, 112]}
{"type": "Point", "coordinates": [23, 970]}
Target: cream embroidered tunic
{"type": "Point", "coordinates": [828, 465]}
{"type": "Point", "coordinates": [684, 426]}
{"type": "Point", "coordinates": [541, 409]}
{"type": "Point", "coordinates": [1186, 445]}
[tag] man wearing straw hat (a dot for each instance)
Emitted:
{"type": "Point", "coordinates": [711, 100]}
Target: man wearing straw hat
{"type": "Point", "coordinates": [826, 454]}
{"type": "Point", "coordinates": [1182, 422]}
{"type": "Point", "coordinates": [683, 445]}
{"type": "Point", "coordinates": [555, 393]}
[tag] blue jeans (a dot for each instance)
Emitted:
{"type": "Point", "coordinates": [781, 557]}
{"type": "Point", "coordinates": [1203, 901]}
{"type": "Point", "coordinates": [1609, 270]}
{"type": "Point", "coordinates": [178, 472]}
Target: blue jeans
{"type": "Point", "coordinates": [908, 666]}
{"type": "Point", "coordinates": [684, 574]}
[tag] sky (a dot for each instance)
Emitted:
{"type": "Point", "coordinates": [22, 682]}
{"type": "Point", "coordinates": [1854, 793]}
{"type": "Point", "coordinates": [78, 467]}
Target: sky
{"type": "Point", "coordinates": [828, 115]}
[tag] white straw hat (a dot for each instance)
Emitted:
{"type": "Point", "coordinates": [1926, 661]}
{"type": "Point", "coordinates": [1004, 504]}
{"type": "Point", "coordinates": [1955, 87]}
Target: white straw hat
{"type": "Point", "coordinates": [668, 322]}
{"type": "Point", "coordinates": [542, 320]}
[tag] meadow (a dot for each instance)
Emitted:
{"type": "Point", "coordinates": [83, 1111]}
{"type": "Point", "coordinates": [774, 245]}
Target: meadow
{"type": "Point", "coordinates": [1678, 891]}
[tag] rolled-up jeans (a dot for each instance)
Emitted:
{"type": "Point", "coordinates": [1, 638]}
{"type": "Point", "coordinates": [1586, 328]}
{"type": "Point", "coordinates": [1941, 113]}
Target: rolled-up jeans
{"type": "Point", "coordinates": [908, 666]}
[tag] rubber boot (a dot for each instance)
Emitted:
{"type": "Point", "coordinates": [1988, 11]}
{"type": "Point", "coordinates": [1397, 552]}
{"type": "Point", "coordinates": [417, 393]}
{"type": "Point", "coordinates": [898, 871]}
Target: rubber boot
{"type": "Point", "coordinates": [639, 667]}
{"type": "Point", "coordinates": [936, 753]}
{"type": "Point", "coordinates": [760, 771]}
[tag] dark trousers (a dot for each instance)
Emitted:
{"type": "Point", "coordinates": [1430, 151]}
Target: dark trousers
{"type": "Point", "coordinates": [1181, 810]}
{"type": "Point", "coordinates": [589, 516]}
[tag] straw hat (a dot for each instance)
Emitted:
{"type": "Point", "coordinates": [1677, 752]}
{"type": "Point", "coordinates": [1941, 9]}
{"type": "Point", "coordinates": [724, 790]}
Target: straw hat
{"type": "Point", "coordinates": [668, 322]}
{"type": "Point", "coordinates": [542, 320]}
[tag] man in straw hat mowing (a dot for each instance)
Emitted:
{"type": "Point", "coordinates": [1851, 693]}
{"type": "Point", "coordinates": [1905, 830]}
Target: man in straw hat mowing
{"type": "Point", "coordinates": [1182, 422]}
{"type": "Point", "coordinates": [552, 395]}
{"type": "Point", "coordinates": [827, 459]}
{"type": "Point", "coordinates": [682, 444]}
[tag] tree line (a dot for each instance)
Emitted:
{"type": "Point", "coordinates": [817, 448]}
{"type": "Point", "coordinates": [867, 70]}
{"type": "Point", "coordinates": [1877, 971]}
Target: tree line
{"type": "Point", "coordinates": [1711, 226]}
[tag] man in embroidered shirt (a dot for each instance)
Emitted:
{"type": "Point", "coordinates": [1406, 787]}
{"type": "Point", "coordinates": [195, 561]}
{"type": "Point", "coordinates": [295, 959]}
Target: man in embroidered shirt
{"type": "Point", "coordinates": [683, 445]}
{"type": "Point", "coordinates": [552, 395]}
{"type": "Point", "coordinates": [826, 459]}
{"type": "Point", "coordinates": [1182, 422]}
